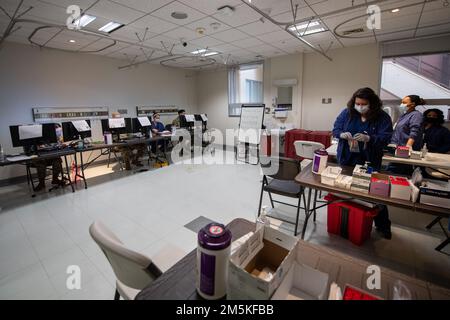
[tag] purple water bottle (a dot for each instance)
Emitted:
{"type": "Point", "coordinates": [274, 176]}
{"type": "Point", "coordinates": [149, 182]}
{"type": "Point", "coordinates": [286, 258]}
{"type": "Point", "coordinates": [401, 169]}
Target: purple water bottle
{"type": "Point", "coordinates": [213, 253]}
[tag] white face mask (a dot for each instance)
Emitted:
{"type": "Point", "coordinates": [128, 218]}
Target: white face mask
{"type": "Point", "coordinates": [362, 109]}
{"type": "Point", "coordinates": [403, 108]}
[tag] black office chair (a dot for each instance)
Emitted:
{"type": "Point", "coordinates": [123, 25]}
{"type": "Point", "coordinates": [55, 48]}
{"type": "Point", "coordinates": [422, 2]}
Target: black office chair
{"type": "Point", "coordinates": [282, 183]}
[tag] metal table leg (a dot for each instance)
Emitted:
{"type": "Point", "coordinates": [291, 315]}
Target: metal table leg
{"type": "Point", "coordinates": [307, 213]}
{"type": "Point", "coordinates": [68, 174]}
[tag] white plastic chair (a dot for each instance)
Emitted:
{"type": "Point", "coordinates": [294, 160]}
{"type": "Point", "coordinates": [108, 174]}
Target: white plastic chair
{"type": "Point", "coordinates": [133, 270]}
{"type": "Point", "coordinates": [305, 149]}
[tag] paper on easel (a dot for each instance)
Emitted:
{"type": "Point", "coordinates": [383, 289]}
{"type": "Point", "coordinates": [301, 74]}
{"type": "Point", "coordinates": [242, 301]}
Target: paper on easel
{"type": "Point", "coordinates": [190, 118]}
{"type": "Point", "coordinates": [117, 123]}
{"type": "Point", "coordinates": [30, 132]}
{"type": "Point", "coordinates": [81, 125]}
{"type": "Point", "coordinates": [204, 117]}
{"type": "Point", "coordinates": [144, 121]}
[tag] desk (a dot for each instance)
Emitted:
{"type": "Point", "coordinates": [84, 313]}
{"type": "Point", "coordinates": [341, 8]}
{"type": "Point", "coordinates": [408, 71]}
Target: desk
{"type": "Point", "coordinates": [179, 282]}
{"type": "Point", "coordinates": [126, 143]}
{"type": "Point", "coordinates": [47, 155]}
{"type": "Point", "coordinates": [439, 161]}
{"type": "Point", "coordinates": [310, 180]}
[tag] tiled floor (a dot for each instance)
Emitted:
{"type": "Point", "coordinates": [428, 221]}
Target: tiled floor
{"type": "Point", "coordinates": [40, 237]}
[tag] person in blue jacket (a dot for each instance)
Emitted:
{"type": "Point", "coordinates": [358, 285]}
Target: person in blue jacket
{"type": "Point", "coordinates": [364, 130]}
{"type": "Point", "coordinates": [437, 137]}
{"type": "Point", "coordinates": [408, 130]}
{"type": "Point", "coordinates": [157, 127]}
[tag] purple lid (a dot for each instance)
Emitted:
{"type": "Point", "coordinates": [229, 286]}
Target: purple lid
{"type": "Point", "coordinates": [321, 152]}
{"type": "Point", "coordinates": [214, 237]}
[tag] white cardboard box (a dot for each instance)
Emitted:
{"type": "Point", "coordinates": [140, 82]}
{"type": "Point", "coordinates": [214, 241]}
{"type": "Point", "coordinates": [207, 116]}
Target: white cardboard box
{"type": "Point", "coordinates": [257, 268]}
{"type": "Point", "coordinates": [303, 283]}
{"type": "Point", "coordinates": [435, 193]}
{"type": "Point", "coordinates": [330, 175]}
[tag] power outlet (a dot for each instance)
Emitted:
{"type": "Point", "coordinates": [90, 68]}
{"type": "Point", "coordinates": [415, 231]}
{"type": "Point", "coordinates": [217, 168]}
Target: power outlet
{"type": "Point", "coordinates": [327, 100]}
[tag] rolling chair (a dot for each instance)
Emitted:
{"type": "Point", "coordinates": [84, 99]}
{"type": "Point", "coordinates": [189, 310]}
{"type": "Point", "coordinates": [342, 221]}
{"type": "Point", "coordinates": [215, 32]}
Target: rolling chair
{"type": "Point", "coordinates": [305, 150]}
{"type": "Point", "coordinates": [282, 183]}
{"type": "Point", "coordinates": [133, 270]}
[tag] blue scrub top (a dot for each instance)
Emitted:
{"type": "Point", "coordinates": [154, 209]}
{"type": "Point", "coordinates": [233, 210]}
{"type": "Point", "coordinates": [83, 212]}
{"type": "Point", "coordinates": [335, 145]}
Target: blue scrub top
{"type": "Point", "coordinates": [380, 132]}
{"type": "Point", "coordinates": [158, 126]}
{"type": "Point", "coordinates": [409, 126]}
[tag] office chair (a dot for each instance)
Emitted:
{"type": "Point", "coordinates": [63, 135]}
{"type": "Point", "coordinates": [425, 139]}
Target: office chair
{"type": "Point", "coordinates": [305, 150]}
{"type": "Point", "coordinates": [282, 183]}
{"type": "Point", "coordinates": [133, 270]}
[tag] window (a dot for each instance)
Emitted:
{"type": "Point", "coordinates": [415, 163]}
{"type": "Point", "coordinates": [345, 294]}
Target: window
{"type": "Point", "coordinates": [245, 86]}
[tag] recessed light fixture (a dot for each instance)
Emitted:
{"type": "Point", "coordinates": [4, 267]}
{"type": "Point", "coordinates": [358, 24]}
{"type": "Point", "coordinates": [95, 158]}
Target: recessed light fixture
{"type": "Point", "coordinates": [84, 20]}
{"type": "Point", "coordinates": [395, 10]}
{"type": "Point", "coordinates": [72, 41]}
{"type": "Point", "coordinates": [179, 15]}
{"type": "Point", "coordinates": [205, 53]}
{"type": "Point", "coordinates": [307, 28]}
{"type": "Point", "coordinates": [111, 26]}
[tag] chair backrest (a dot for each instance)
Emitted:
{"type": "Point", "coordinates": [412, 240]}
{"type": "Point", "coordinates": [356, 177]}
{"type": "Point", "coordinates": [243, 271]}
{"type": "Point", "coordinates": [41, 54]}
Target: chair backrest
{"type": "Point", "coordinates": [305, 149]}
{"type": "Point", "coordinates": [130, 267]}
{"type": "Point", "coordinates": [288, 169]}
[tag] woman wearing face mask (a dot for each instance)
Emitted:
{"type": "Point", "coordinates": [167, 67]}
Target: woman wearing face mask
{"type": "Point", "coordinates": [408, 130]}
{"type": "Point", "coordinates": [364, 130]}
{"type": "Point", "coordinates": [157, 128]}
{"type": "Point", "coordinates": [437, 137]}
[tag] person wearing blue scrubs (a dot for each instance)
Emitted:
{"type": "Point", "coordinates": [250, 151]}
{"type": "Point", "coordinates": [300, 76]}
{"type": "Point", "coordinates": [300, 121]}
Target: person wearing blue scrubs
{"type": "Point", "coordinates": [408, 130]}
{"type": "Point", "coordinates": [157, 127]}
{"type": "Point", "coordinates": [364, 130]}
{"type": "Point", "coordinates": [437, 137]}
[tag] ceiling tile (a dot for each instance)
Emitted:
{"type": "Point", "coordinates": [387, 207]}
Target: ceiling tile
{"type": "Point", "coordinates": [209, 6]}
{"type": "Point", "coordinates": [248, 43]}
{"type": "Point", "coordinates": [211, 25]}
{"type": "Point", "coordinates": [206, 42]}
{"type": "Point", "coordinates": [258, 28]}
{"type": "Point", "coordinates": [182, 34]}
{"type": "Point", "coordinates": [166, 12]}
{"type": "Point", "coordinates": [230, 35]}
{"type": "Point", "coordinates": [114, 12]}
{"type": "Point", "coordinates": [275, 7]}
{"type": "Point", "coordinates": [146, 6]}
{"type": "Point", "coordinates": [242, 15]}
{"type": "Point", "coordinates": [154, 24]}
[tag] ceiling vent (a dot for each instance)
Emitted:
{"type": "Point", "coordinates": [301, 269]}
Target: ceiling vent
{"type": "Point", "coordinates": [226, 10]}
{"type": "Point", "coordinates": [353, 31]}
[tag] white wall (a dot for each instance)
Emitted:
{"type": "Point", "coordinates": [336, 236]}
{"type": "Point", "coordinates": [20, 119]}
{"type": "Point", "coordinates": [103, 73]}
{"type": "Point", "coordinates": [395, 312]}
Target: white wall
{"type": "Point", "coordinates": [30, 77]}
{"type": "Point", "coordinates": [352, 68]}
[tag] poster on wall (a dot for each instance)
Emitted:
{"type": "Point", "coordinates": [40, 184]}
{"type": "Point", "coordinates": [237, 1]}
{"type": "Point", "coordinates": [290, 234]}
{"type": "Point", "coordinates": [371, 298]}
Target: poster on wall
{"type": "Point", "coordinates": [60, 114]}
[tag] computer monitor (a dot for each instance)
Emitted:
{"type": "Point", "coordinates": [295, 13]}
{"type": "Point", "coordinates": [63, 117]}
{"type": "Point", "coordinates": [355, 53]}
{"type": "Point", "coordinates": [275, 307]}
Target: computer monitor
{"type": "Point", "coordinates": [187, 121]}
{"type": "Point", "coordinates": [74, 129]}
{"type": "Point", "coordinates": [33, 135]}
{"type": "Point", "coordinates": [141, 125]}
{"type": "Point", "coordinates": [201, 117]}
{"type": "Point", "coordinates": [117, 126]}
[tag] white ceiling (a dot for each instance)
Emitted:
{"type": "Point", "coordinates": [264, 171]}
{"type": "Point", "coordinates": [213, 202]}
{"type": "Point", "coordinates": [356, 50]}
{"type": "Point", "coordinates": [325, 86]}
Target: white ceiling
{"type": "Point", "coordinates": [242, 37]}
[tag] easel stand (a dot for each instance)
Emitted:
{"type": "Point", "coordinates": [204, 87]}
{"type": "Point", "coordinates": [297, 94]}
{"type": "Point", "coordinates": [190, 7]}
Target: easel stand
{"type": "Point", "coordinates": [248, 153]}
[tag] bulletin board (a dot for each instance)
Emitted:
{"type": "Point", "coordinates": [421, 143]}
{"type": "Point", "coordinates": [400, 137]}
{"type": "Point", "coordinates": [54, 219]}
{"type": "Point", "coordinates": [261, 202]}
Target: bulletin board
{"type": "Point", "coordinates": [60, 114]}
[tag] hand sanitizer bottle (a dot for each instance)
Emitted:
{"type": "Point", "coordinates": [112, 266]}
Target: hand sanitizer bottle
{"type": "Point", "coordinates": [424, 151]}
{"type": "Point", "coordinates": [2, 154]}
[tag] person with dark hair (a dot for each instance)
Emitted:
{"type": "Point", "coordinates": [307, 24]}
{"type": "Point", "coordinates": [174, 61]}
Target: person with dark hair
{"type": "Point", "coordinates": [364, 129]}
{"type": "Point", "coordinates": [408, 130]}
{"type": "Point", "coordinates": [157, 128]}
{"type": "Point", "coordinates": [177, 122]}
{"type": "Point", "coordinates": [437, 137]}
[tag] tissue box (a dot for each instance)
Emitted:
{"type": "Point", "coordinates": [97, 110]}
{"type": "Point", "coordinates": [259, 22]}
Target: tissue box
{"type": "Point", "coordinates": [361, 179]}
{"type": "Point", "coordinates": [303, 283]}
{"type": "Point", "coordinates": [343, 182]}
{"type": "Point", "coordinates": [416, 155]}
{"type": "Point", "coordinates": [380, 185]}
{"type": "Point", "coordinates": [402, 152]}
{"type": "Point", "coordinates": [400, 188]}
{"type": "Point", "coordinates": [329, 175]}
{"type": "Point", "coordinates": [435, 193]}
{"type": "Point", "coordinates": [258, 266]}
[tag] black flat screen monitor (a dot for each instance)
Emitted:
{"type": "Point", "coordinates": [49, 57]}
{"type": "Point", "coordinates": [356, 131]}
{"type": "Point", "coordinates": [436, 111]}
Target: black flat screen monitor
{"type": "Point", "coordinates": [138, 127]}
{"type": "Point", "coordinates": [70, 133]}
{"type": "Point", "coordinates": [48, 136]}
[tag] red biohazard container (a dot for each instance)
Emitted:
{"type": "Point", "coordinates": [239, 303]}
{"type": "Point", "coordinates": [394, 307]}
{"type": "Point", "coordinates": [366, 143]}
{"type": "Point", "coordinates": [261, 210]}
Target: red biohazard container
{"type": "Point", "coordinates": [350, 220]}
{"type": "Point", "coordinates": [323, 137]}
{"type": "Point", "coordinates": [292, 136]}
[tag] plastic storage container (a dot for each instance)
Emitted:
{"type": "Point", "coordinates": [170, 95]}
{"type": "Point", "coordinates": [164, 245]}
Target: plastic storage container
{"type": "Point", "coordinates": [350, 220]}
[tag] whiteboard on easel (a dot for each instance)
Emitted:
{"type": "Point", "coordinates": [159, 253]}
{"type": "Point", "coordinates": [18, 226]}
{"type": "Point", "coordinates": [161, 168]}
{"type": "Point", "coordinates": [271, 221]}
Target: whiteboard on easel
{"type": "Point", "coordinates": [250, 126]}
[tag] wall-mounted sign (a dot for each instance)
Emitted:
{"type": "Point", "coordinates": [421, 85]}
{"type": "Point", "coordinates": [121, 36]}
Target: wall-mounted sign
{"type": "Point", "coordinates": [163, 110]}
{"type": "Point", "coordinates": [56, 114]}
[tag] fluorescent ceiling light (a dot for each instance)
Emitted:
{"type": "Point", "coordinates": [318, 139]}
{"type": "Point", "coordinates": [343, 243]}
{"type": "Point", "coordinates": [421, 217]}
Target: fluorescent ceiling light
{"type": "Point", "coordinates": [84, 20]}
{"type": "Point", "coordinates": [303, 26]}
{"type": "Point", "coordinates": [395, 10]}
{"type": "Point", "coordinates": [211, 53]}
{"type": "Point", "coordinates": [110, 27]}
{"type": "Point", "coordinates": [307, 28]}
{"type": "Point", "coordinates": [72, 41]}
{"type": "Point", "coordinates": [199, 51]}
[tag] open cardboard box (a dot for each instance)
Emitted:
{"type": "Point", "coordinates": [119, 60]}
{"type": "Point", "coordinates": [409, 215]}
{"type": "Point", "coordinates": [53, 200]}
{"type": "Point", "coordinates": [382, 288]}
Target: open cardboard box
{"type": "Point", "coordinates": [303, 283]}
{"type": "Point", "coordinates": [259, 265]}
